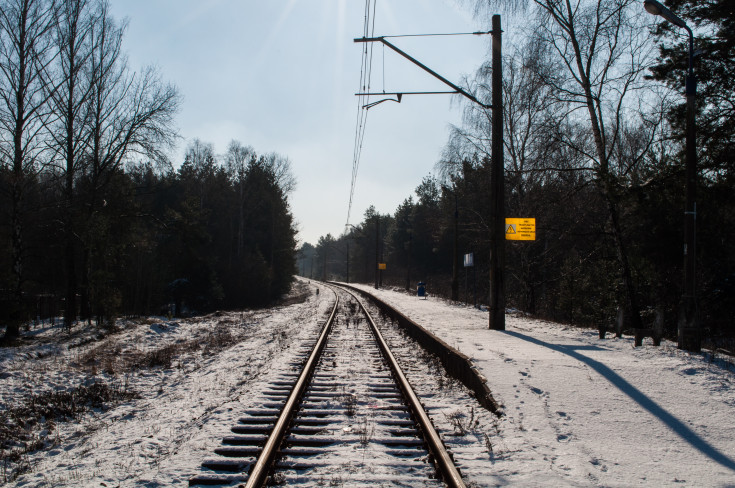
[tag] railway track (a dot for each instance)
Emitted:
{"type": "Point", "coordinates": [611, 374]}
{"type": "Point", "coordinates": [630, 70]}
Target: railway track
{"type": "Point", "coordinates": [348, 417]}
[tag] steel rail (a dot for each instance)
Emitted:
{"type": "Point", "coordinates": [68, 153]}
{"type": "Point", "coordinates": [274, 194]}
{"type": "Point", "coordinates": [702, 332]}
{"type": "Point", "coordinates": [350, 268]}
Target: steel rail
{"type": "Point", "coordinates": [259, 473]}
{"type": "Point", "coordinates": [449, 472]}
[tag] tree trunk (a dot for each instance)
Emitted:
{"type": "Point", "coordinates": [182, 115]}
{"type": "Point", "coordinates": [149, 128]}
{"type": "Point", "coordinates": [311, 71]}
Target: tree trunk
{"type": "Point", "coordinates": [604, 180]}
{"type": "Point", "coordinates": [632, 306]}
{"type": "Point", "coordinates": [12, 330]}
{"type": "Point", "coordinates": [70, 310]}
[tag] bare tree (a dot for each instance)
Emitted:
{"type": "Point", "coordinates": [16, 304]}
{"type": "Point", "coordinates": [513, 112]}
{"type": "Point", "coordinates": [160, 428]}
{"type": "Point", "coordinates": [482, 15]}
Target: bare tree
{"type": "Point", "coordinates": [598, 58]}
{"type": "Point", "coordinates": [25, 55]}
{"type": "Point", "coordinates": [201, 161]}
{"type": "Point", "coordinates": [530, 116]}
{"type": "Point", "coordinates": [601, 55]}
{"type": "Point", "coordinates": [237, 159]}
{"type": "Point", "coordinates": [280, 167]}
{"type": "Point", "coordinates": [126, 114]}
{"type": "Point", "coordinates": [73, 37]}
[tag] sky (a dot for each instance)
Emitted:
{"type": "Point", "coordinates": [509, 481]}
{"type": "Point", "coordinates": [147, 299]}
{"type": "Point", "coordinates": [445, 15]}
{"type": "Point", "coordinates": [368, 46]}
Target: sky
{"type": "Point", "coordinates": [281, 76]}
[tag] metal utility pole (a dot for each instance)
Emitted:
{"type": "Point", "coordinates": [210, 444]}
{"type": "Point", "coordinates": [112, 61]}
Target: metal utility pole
{"type": "Point", "coordinates": [408, 267]}
{"type": "Point", "coordinates": [497, 186]}
{"type": "Point", "coordinates": [433, 73]}
{"type": "Point", "coordinates": [377, 250]}
{"type": "Point", "coordinates": [497, 211]}
{"type": "Point", "coordinates": [689, 330]}
{"type": "Point", "coordinates": [349, 232]}
{"type": "Point", "coordinates": [347, 241]}
{"type": "Point", "coordinates": [326, 256]}
{"type": "Point", "coordinates": [455, 282]}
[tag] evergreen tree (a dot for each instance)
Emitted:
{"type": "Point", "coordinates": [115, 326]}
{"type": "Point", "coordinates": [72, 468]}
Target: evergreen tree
{"type": "Point", "coordinates": [714, 25]}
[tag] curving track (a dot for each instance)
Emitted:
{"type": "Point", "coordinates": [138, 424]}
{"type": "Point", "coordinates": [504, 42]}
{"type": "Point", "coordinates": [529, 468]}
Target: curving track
{"type": "Point", "coordinates": [348, 417]}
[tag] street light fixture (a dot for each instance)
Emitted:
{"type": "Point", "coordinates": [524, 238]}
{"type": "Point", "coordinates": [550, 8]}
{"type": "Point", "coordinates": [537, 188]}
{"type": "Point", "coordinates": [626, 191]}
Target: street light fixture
{"type": "Point", "coordinates": [689, 333]}
{"type": "Point", "coordinates": [655, 8]}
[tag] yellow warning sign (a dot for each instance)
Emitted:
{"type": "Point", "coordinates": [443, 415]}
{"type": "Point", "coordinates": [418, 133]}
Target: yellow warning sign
{"type": "Point", "coordinates": [520, 229]}
{"type": "Point", "coordinates": [381, 265]}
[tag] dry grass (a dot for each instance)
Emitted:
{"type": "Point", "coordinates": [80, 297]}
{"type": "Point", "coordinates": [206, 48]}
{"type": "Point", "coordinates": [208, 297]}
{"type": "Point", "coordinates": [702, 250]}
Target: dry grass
{"type": "Point", "coordinates": [31, 426]}
{"type": "Point", "coordinates": [462, 423]}
{"type": "Point", "coordinates": [112, 359]}
{"type": "Point", "coordinates": [300, 292]}
{"type": "Point", "coordinates": [365, 431]}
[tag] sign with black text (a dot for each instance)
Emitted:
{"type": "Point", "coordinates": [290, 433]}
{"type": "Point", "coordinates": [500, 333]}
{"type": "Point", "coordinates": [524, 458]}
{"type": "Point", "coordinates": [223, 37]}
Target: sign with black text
{"type": "Point", "coordinates": [520, 229]}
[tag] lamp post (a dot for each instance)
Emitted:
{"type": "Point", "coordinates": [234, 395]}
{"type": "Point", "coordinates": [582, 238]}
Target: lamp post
{"type": "Point", "coordinates": [689, 333]}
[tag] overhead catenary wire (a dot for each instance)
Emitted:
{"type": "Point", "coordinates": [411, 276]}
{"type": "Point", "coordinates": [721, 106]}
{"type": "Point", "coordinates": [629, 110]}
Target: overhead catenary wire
{"type": "Point", "coordinates": [363, 102]}
{"type": "Point", "coordinates": [365, 79]}
{"type": "Point", "coordinates": [365, 72]}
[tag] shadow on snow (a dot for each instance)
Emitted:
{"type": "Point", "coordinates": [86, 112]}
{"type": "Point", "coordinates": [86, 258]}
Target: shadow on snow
{"type": "Point", "coordinates": [676, 425]}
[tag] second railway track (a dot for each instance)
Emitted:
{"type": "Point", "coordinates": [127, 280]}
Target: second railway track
{"type": "Point", "coordinates": [349, 417]}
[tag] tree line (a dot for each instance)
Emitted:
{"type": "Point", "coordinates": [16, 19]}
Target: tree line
{"type": "Point", "coordinates": [94, 220]}
{"type": "Point", "coordinates": [594, 151]}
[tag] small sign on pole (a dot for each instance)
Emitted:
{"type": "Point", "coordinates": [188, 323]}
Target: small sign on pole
{"type": "Point", "coordinates": [520, 229]}
{"type": "Point", "coordinates": [381, 265]}
{"type": "Point", "coordinates": [469, 260]}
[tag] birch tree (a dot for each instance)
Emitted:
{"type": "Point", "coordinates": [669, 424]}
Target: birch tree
{"type": "Point", "coordinates": [598, 58]}
{"type": "Point", "coordinates": [25, 55]}
{"type": "Point", "coordinates": [73, 32]}
{"type": "Point", "coordinates": [128, 113]}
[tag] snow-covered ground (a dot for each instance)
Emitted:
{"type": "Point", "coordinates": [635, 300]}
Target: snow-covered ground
{"type": "Point", "coordinates": [580, 411]}
{"type": "Point", "coordinates": [184, 409]}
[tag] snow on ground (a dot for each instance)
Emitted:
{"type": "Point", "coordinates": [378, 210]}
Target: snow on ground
{"type": "Point", "coordinates": [580, 411]}
{"type": "Point", "coordinates": [184, 409]}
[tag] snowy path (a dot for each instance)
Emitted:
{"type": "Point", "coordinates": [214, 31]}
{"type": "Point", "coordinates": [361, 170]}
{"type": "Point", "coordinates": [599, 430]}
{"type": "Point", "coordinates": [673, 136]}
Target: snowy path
{"type": "Point", "coordinates": [580, 411]}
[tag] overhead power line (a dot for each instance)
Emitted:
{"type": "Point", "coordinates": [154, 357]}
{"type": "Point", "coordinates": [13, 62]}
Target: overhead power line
{"type": "Point", "coordinates": [363, 100]}
{"type": "Point", "coordinates": [364, 94]}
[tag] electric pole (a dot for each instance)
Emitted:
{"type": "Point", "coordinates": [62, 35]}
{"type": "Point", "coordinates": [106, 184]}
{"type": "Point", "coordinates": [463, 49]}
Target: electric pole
{"type": "Point", "coordinates": [497, 185]}
{"type": "Point", "coordinates": [377, 249]}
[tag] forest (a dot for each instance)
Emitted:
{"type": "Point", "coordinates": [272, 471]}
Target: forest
{"type": "Point", "coordinates": [95, 222]}
{"type": "Point", "coordinates": [594, 144]}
